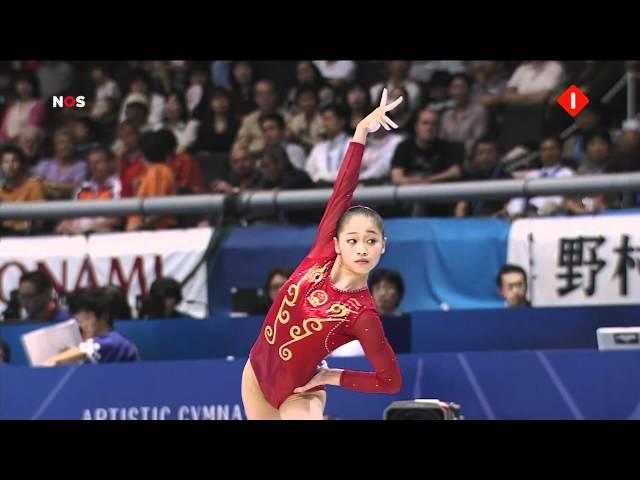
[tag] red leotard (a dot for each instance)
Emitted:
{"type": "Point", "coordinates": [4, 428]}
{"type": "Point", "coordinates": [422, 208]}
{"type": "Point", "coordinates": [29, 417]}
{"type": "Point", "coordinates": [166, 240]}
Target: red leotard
{"type": "Point", "coordinates": [310, 318]}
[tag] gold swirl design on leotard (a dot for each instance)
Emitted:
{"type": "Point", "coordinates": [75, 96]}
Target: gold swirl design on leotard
{"type": "Point", "coordinates": [284, 315]}
{"type": "Point", "coordinates": [337, 312]}
{"type": "Point", "coordinates": [314, 275]}
{"type": "Point", "coordinates": [310, 326]}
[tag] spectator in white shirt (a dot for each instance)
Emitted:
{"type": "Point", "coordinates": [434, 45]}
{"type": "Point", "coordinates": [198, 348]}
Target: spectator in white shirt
{"type": "Point", "coordinates": [552, 167]}
{"type": "Point", "coordinates": [106, 91]}
{"type": "Point", "coordinates": [336, 72]}
{"type": "Point", "coordinates": [175, 119]}
{"type": "Point", "coordinates": [376, 161]}
{"type": "Point", "coordinates": [141, 84]}
{"type": "Point", "coordinates": [325, 158]}
{"type": "Point", "coordinates": [398, 76]}
{"type": "Point", "coordinates": [534, 82]}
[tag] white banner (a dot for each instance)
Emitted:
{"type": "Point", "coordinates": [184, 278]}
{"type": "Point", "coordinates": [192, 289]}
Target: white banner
{"type": "Point", "coordinates": [579, 261]}
{"type": "Point", "coordinates": [130, 260]}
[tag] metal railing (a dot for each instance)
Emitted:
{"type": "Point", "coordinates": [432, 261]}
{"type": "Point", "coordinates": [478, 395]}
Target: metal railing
{"type": "Point", "coordinates": [261, 201]}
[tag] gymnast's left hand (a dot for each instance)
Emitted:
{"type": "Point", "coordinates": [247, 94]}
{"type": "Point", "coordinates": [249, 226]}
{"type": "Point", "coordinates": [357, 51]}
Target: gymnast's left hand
{"type": "Point", "coordinates": [324, 376]}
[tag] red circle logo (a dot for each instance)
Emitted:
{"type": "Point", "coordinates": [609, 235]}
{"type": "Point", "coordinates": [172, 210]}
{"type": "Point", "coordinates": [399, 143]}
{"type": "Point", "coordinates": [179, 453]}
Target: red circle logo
{"type": "Point", "coordinates": [69, 102]}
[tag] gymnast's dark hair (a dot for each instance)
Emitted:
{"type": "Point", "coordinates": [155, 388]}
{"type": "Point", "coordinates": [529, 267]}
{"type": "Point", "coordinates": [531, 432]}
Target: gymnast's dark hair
{"type": "Point", "coordinates": [360, 210]}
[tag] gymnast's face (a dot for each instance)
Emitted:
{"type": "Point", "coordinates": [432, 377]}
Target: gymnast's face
{"type": "Point", "coordinates": [360, 244]}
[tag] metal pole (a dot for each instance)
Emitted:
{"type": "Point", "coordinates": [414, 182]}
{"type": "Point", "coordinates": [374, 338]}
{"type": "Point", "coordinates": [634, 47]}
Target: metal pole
{"type": "Point", "coordinates": [317, 198]}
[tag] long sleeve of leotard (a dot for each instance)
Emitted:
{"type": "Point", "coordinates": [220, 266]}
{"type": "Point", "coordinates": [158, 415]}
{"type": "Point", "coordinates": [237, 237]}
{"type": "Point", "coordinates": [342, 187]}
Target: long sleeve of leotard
{"type": "Point", "coordinates": [387, 377]}
{"type": "Point", "coordinates": [340, 200]}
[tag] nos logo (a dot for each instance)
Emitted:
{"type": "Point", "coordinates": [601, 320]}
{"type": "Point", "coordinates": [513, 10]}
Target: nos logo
{"type": "Point", "coordinates": [68, 102]}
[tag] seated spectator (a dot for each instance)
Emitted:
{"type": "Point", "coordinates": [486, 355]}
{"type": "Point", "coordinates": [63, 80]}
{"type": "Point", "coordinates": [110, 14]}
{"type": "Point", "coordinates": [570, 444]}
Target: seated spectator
{"type": "Point", "coordinates": [250, 134]}
{"type": "Point", "coordinates": [176, 120]}
{"type": "Point", "coordinates": [165, 295]}
{"type": "Point", "coordinates": [244, 173]}
{"type": "Point", "coordinates": [599, 157]}
{"type": "Point", "coordinates": [17, 187]}
{"type": "Point", "coordinates": [55, 78]}
{"type": "Point", "coordinates": [512, 286]}
{"type": "Point", "coordinates": [276, 278]}
{"type": "Point", "coordinates": [307, 127]}
{"type": "Point", "coordinates": [186, 170]}
{"type": "Point", "coordinates": [627, 151]}
{"type": "Point", "coordinates": [466, 122]}
{"type": "Point", "coordinates": [130, 159]}
{"type": "Point", "coordinates": [101, 343]}
{"type": "Point", "coordinates": [279, 174]}
{"type": "Point", "coordinates": [218, 125]}
{"type": "Point", "coordinates": [274, 132]}
{"type": "Point", "coordinates": [376, 161]}
{"type": "Point", "coordinates": [490, 82]}
{"type": "Point", "coordinates": [106, 92]}
{"type": "Point", "coordinates": [552, 167]}
{"type": "Point", "coordinates": [26, 110]}
{"type": "Point", "coordinates": [598, 160]}
{"type": "Point", "coordinates": [436, 92]}
{"type": "Point", "coordinates": [103, 184]}
{"type": "Point", "coordinates": [401, 115]}
{"type": "Point", "coordinates": [118, 303]}
{"type": "Point", "coordinates": [424, 158]}
{"type": "Point", "coordinates": [485, 165]}
{"type": "Point", "coordinates": [157, 181]}
{"type": "Point", "coordinates": [64, 173]}
{"type": "Point", "coordinates": [533, 82]}
{"type": "Point", "coordinates": [198, 86]}
{"type": "Point", "coordinates": [387, 290]}
{"type": "Point", "coordinates": [398, 76]}
{"type": "Point", "coordinates": [136, 111]}
{"type": "Point", "coordinates": [35, 294]}
{"type": "Point", "coordinates": [85, 136]}
{"type": "Point", "coordinates": [359, 103]}
{"type": "Point", "coordinates": [336, 72]}
{"type": "Point", "coordinates": [308, 77]}
{"type": "Point", "coordinates": [589, 120]}
{"type": "Point", "coordinates": [243, 79]}
{"type": "Point", "coordinates": [5, 353]}
{"type": "Point", "coordinates": [30, 142]}
{"type": "Point", "coordinates": [325, 158]}
{"type": "Point", "coordinates": [140, 84]}
{"type": "Point", "coordinates": [423, 71]}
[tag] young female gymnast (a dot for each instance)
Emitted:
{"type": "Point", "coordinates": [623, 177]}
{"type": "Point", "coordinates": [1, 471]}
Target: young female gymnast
{"type": "Point", "coordinates": [324, 304]}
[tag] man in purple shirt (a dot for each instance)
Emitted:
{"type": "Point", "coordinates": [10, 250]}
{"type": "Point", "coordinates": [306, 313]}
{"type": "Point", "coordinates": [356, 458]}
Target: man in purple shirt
{"type": "Point", "coordinates": [63, 174]}
{"type": "Point", "coordinates": [101, 344]}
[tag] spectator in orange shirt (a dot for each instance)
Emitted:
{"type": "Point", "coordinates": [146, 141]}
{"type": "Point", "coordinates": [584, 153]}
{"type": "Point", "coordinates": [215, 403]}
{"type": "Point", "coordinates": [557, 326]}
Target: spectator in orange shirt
{"type": "Point", "coordinates": [17, 188]}
{"type": "Point", "coordinates": [158, 181]}
{"type": "Point", "coordinates": [187, 172]}
{"type": "Point", "coordinates": [104, 184]}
